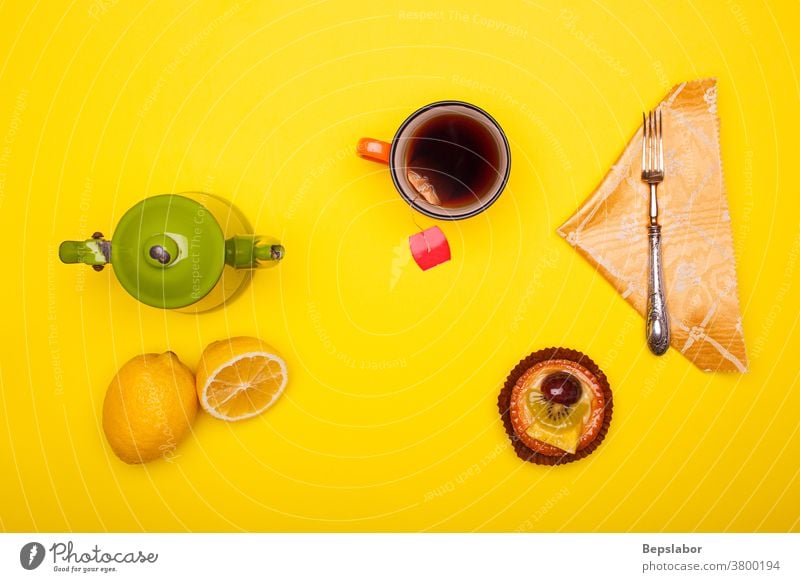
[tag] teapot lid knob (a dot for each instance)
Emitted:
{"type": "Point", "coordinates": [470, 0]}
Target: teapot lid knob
{"type": "Point", "coordinates": [161, 250]}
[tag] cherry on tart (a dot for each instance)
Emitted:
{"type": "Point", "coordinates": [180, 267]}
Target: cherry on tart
{"type": "Point", "coordinates": [561, 388]}
{"type": "Point", "coordinates": [556, 406]}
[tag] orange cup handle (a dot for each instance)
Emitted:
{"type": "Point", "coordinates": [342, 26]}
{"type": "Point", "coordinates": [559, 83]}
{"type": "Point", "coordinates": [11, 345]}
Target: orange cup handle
{"type": "Point", "coordinates": [374, 149]}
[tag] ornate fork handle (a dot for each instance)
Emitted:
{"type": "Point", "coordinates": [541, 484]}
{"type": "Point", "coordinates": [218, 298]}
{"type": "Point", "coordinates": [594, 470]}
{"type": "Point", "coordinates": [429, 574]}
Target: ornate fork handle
{"type": "Point", "coordinates": [657, 317]}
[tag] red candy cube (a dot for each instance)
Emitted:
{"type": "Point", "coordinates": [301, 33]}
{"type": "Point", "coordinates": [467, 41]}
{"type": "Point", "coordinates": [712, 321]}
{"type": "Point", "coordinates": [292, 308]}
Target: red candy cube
{"type": "Point", "coordinates": [429, 248]}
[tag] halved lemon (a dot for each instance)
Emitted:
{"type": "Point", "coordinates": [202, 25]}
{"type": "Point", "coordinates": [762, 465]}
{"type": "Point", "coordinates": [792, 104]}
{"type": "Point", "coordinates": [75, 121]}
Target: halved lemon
{"type": "Point", "coordinates": [239, 378]}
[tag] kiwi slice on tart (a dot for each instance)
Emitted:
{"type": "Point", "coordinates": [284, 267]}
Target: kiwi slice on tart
{"type": "Point", "coordinates": [557, 423]}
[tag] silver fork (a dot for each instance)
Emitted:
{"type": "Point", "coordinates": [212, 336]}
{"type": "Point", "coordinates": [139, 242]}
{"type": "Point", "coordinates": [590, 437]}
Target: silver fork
{"type": "Point", "coordinates": [657, 319]}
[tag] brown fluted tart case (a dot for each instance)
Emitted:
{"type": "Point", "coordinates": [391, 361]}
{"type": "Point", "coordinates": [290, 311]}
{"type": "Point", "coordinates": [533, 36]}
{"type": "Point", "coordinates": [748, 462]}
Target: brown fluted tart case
{"type": "Point", "coordinates": [556, 406]}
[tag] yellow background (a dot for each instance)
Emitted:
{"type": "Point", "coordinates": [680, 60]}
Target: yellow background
{"type": "Point", "coordinates": [389, 421]}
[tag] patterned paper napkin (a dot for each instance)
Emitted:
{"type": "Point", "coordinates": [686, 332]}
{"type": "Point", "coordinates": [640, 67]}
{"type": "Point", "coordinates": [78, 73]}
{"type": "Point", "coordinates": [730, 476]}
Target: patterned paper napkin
{"type": "Point", "coordinates": [610, 231]}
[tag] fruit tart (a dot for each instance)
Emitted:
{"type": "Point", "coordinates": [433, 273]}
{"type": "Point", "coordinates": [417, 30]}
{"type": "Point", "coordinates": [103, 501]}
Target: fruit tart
{"type": "Point", "coordinates": [556, 406]}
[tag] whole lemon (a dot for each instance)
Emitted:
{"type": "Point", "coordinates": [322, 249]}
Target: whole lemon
{"type": "Point", "coordinates": [149, 407]}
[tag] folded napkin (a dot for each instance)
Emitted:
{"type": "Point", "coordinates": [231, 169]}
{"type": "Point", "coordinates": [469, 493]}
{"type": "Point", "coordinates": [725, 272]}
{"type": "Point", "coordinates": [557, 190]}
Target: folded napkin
{"type": "Point", "coordinates": [610, 231]}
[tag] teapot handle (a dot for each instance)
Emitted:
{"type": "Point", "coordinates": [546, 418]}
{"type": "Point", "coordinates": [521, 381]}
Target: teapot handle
{"type": "Point", "coordinates": [253, 251]}
{"type": "Point", "coordinates": [95, 251]}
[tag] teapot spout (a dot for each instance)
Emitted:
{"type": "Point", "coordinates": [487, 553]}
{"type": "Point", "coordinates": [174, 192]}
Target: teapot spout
{"type": "Point", "coordinates": [253, 251]}
{"type": "Point", "coordinates": [94, 251]}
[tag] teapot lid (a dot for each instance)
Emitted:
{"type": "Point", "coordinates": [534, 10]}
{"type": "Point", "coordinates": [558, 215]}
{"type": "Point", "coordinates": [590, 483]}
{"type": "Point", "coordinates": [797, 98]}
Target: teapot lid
{"type": "Point", "coordinates": [168, 251]}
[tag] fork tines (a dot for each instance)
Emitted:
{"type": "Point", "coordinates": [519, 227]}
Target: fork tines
{"type": "Point", "coordinates": [652, 146]}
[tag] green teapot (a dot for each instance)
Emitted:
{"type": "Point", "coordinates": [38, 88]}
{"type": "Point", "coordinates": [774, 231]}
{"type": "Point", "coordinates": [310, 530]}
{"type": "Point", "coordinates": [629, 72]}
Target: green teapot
{"type": "Point", "coordinates": [190, 251]}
